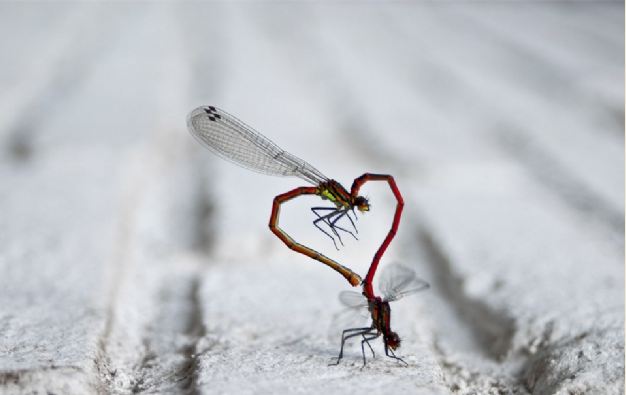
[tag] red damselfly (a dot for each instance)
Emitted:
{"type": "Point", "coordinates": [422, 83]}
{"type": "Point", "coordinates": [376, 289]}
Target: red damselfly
{"type": "Point", "coordinates": [396, 281]}
{"type": "Point", "coordinates": [237, 142]}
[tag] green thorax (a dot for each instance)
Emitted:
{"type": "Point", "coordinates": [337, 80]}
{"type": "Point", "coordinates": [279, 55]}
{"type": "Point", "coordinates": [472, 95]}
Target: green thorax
{"type": "Point", "coordinates": [336, 193]}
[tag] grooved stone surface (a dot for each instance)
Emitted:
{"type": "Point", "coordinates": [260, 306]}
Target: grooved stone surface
{"type": "Point", "coordinates": [134, 261]}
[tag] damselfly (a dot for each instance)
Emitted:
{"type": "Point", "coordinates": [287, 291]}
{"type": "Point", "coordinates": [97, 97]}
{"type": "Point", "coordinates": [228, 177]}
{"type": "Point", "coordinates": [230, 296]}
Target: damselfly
{"type": "Point", "coordinates": [396, 281]}
{"type": "Point", "coordinates": [237, 142]}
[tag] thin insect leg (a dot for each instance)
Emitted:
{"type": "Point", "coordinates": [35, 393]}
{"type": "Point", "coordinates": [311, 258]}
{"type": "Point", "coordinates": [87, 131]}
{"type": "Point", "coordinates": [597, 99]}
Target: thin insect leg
{"type": "Point", "coordinates": [326, 220]}
{"type": "Point", "coordinates": [356, 218]}
{"type": "Point", "coordinates": [320, 218]}
{"type": "Point", "coordinates": [393, 355]}
{"type": "Point", "coordinates": [334, 222]}
{"type": "Point", "coordinates": [327, 217]}
{"type": "Point", "coordinates": [340, 215]}
{"type": "Point", "coordinates": [345, 336]}
{"type": "Point", "coordinates": [345, 230]}
{"type": "Point", "coordinates": [351, 221]}
{"type": "Point", "coordinates": [316, 209]}
{"type": "Point", "coordinates": [343, 341]}
{"type": "Point", "coordinates": [333, 226]}
{"type": "Point", "coordinates": [326, 233]}
{"type": "Point", "coordinates": [367, 340]}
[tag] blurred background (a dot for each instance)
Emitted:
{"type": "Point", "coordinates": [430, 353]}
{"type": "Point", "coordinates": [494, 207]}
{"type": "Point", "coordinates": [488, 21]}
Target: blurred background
{"type": "Point", "coordinates": [132, 260]}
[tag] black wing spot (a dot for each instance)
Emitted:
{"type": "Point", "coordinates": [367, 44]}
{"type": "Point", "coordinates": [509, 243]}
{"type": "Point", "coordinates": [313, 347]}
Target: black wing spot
{"type": "Point", "coordinates": [212, 113]}
{"type": "Point", "coordinates": [210, 110]}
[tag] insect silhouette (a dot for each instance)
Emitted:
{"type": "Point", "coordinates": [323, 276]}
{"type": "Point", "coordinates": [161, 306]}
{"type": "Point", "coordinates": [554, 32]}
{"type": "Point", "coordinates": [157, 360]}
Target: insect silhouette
{"type": "Point", "coordinates": [396, 282]}
{"type": "Point", "coordinates": [233, 140]}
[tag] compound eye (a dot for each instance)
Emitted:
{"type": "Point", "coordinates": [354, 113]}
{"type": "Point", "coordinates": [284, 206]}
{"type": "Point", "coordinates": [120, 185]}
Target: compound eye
{"type": "Point", "coordinates": [362, 204]}
{"type": "Point", "coordinates": [393, 341]}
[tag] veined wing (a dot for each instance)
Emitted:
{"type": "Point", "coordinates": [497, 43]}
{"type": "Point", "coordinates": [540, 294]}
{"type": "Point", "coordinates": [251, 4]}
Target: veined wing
{"type": "Point", "coordinates": [355, 314]}
{"type": "Point", "coordinates": [398, 281]}
{"type": "Point", "coordinates": [237, 142]}
{"type": "Point", "coordinates": [352, 299]}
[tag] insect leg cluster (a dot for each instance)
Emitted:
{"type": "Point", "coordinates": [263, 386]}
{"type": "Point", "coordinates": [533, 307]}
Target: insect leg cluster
{"type": "Point", "coordinates": [367, 333]}
{"type": "Point", "coordinates": [393, 355]}
{"type": "Point", "coordinates": [330, 219]}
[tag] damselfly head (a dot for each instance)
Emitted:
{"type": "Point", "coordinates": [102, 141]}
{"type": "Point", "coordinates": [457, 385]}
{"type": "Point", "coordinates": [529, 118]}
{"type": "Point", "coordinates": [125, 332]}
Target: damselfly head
{"type": "Point", "coordinates": [362, 204]}
{"type": "Point", "coordinates": [393, 340]}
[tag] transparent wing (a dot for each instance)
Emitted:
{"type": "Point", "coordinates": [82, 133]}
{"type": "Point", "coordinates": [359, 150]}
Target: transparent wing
{"type": "Point", "coordinates": [398, 281]}
{"type": "Point", "coordinates": [352, 299]}
{"type": "Point", "coordinates": [355, 315]}
{"type": "Point", "coordinates": [235, 141]}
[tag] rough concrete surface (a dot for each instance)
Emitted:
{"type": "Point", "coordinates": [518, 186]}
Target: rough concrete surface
{"type": "Point", "coordinates": [134, 261]}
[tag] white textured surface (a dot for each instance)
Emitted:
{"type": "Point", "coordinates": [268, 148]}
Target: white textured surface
{"type": "Point", "coordinates": [133, 261]}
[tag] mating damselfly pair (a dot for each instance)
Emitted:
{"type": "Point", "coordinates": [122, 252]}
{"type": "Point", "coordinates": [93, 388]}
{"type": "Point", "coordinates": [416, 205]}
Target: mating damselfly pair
{"type": "Point", "coordinates": [233, 140]}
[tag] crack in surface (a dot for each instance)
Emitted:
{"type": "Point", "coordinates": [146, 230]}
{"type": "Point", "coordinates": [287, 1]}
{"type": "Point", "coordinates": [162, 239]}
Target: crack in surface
{"type": "Point", "coordinates": [156, 311]}
{"type": "Point", "coordinates": [166, 367]}
{"type": "Point", "coordinates": [196, 331]}
{"type": "Point", "coordinates": [493, 331]}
